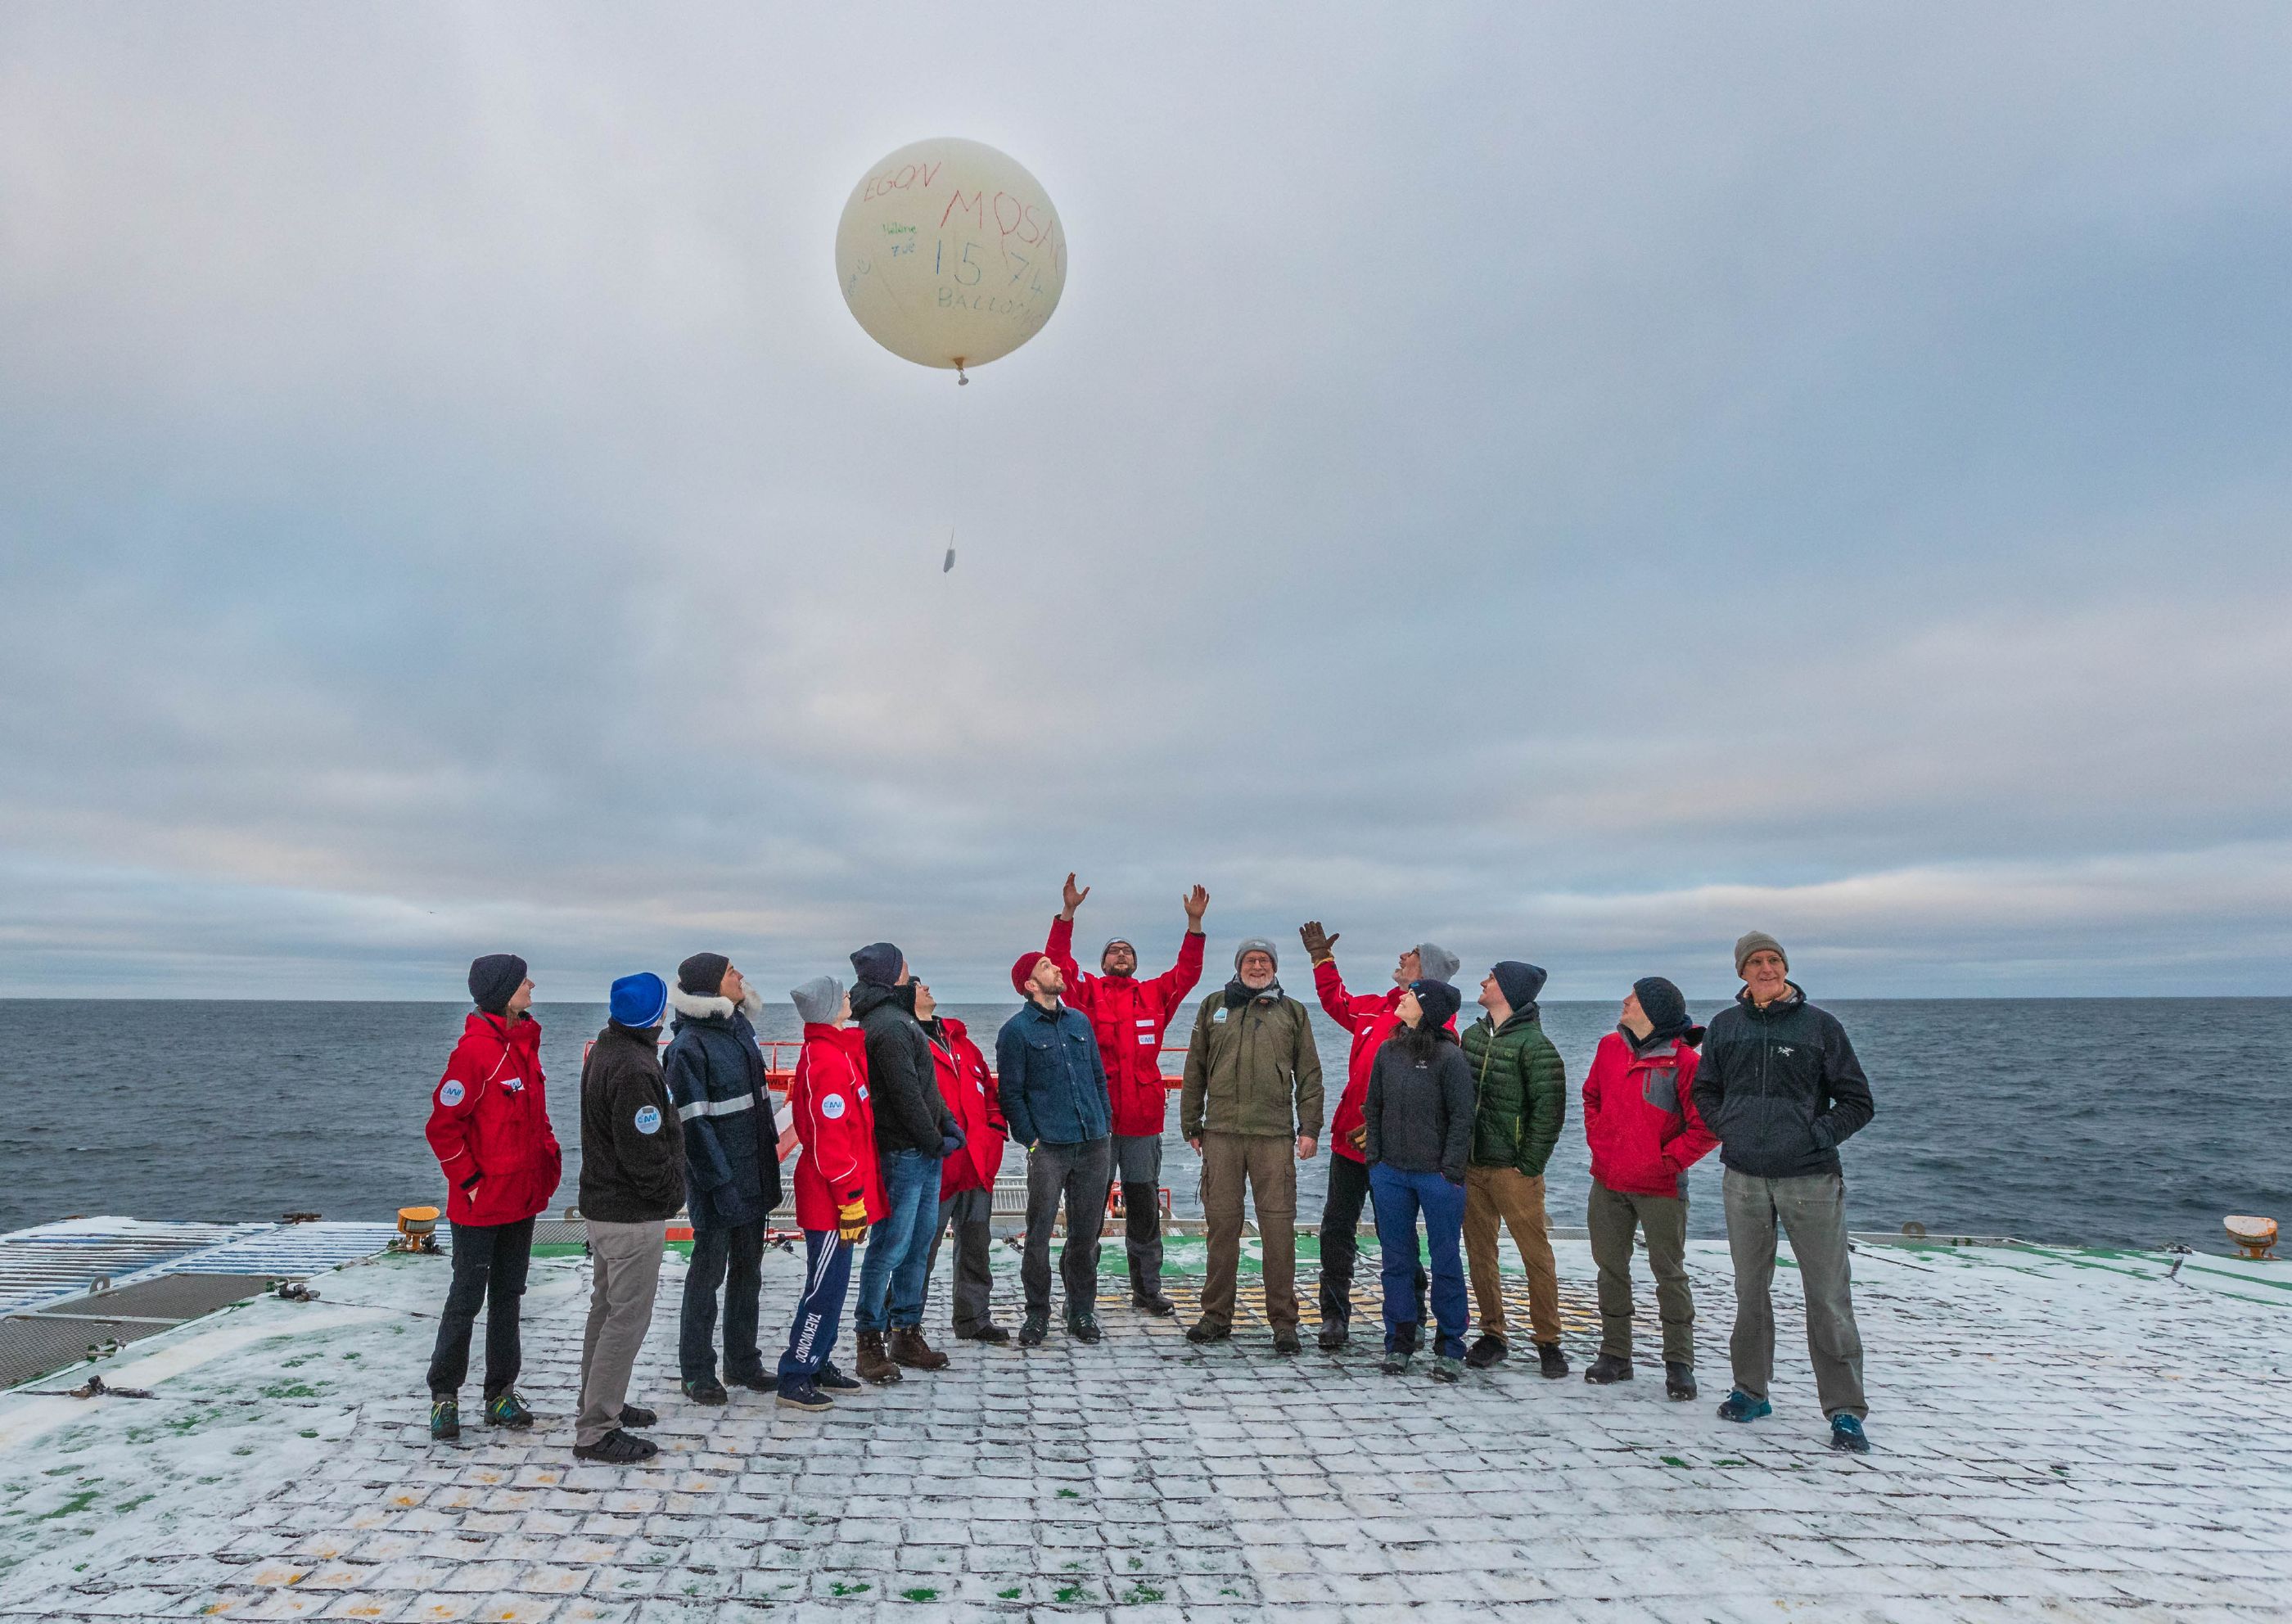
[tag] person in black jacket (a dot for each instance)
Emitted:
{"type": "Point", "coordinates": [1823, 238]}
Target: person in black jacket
{"type": "Point", "coordinates": [915, 1131]}
{"type": "Point", "coordinates": [632, 1184]}
{"type": "Point", "coordinates": [1779, 1085]}
{"type": "Point", "coordinates": [731, 1169]}
{"type": "Point", "coordinates": [1418, 1119]}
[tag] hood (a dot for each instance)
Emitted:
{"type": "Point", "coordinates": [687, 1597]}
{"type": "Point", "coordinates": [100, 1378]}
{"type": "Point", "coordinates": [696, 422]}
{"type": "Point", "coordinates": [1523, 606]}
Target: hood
{"type": "Point", "coordinates": [692, 1006]}
{"type": "Point", "coordinates": [869, 996]}
{"type": "Point", "coordinates": [955, 1029]}
{"type": "Point", "coordinates": [646, 1037]}
{"type": "Point", "coordinates": [525, 1034]}
{"type": "Point", "coordinates": [1659, 1043]}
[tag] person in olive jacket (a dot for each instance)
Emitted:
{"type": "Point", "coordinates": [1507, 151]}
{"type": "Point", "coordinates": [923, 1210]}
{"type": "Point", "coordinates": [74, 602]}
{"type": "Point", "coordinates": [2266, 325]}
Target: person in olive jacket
{"type": "Point", "coordinates": [1253, 1091]}
{"type": "Point", "coordinates": [632, 1184]}
{"type": "Point", "coordinates": [1417, 1122]}
{"type": "Point", "coordinates": [1523, 1102]}
{"type": "Point", "coordinates": [1779, 1085]}
{"type": "Point", "coordinates": [1051, 1084]}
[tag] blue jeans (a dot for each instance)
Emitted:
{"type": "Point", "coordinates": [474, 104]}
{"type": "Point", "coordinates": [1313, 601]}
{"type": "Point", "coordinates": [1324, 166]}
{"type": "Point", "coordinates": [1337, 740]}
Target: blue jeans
{"type": "Point", "coordinates": [730, 1256]}
{"type": "Point", "coordinates": [1399, 1196]}
{"type": "Point", "coordinates": [819, 1312]}
{"type": "Point", "coordinates": [898, 1249]}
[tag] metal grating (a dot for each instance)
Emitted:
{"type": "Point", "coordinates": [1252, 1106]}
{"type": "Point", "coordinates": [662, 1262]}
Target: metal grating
{"type": "Point", "coordinates": [172, 1298]}
{"type": "Point", "coordinates": [58, 1258]}
{"type": "Point", "coordinates": [288, 1251]}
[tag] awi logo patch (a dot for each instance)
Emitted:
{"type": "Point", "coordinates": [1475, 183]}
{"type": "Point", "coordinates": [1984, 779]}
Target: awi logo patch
{"type": "Point", "coordinates": [832, 1107]}
{"type": "Point", "coordinates": [649, 1119]}
{"type": "Point", "coordinates": [452, 1094]}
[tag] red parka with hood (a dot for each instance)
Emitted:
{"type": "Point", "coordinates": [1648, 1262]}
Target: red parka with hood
{"type": "Point", "coordinates": [1639, 1117]}
{"type": "Point", "coordinates": [835, 1125]}
{"type": "Point", "coordinates": [490, 1124]}
{"type": "Point", "coordinates": [969, 1091]}
{"type": "Point", "coordinates": [1129, 1017]}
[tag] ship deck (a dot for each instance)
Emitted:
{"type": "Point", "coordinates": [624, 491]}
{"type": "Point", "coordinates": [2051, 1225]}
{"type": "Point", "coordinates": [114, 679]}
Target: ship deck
{"type": "Point", "coordinates": [2060, 1433]}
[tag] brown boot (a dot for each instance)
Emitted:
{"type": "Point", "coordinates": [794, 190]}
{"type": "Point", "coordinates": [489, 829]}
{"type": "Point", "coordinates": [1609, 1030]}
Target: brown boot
{"type": "Point", "coordinates": [875, 1365]}
{"type": "Point", "coordinates": [909, 1349]}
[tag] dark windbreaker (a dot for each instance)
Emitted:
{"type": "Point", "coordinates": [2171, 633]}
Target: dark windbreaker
{"type": "Point", "coordinates": [1419, 1110]}
{"type": "Point", "coordinates": [631, 1143]}
{"type": "Point", "coordinates": [1780, 1086]}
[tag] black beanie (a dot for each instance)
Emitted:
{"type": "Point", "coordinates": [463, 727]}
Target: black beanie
{"type": "Point", "coordinates": [879, 962]}
{"type": "Point", "coordinates": [702, 975]}
{"type": "Point", "coordinates": [494, 981]}
{"type": "Point", "coordinates": [1664, 1005]}
{"type": "Point", "coordinates": [1440, 1001]}
{"type": "Point", "coordinates": [1518, 983]}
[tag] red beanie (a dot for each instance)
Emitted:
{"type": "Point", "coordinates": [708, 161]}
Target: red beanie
{"type": "Point", "coordinates": [1025, 969]}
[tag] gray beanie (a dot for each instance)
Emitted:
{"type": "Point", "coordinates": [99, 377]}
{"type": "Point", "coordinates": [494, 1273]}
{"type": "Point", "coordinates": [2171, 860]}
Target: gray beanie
{"type": "Point", "coordinates": [818, 1000]}
{"type": "Point", "coordinates": [1437, 963]}
{"type": "Point", "coordinates": [1747, 945]}
{"type": "Point", "coordinates": [1254, 944]}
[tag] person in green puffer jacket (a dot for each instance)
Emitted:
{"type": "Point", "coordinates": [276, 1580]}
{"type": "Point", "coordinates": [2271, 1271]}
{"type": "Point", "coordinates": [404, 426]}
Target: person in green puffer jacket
{"type": "Point", "coordinates": [1521, 1088]}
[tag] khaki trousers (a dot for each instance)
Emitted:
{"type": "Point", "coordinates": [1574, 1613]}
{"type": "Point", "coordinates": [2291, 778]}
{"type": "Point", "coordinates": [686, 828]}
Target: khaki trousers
{"type": "Point", "coordinates": [1612, 1216]}
{"type": "Point", "coordinates": [1492, 1193]}
{"type": "Point", "coordinates": [1269, 1163]}
{"type": "Point", "coordinates": [624, 1271]}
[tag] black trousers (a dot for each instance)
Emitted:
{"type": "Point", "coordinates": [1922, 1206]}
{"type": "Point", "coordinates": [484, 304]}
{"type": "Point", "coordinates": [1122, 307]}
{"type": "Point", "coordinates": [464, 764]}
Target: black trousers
{"type": "Point", "coordinates": [730, 1256]}
{"type": "Point", "coordinates": [489, 1266]}
{"type": "Point", "coordinates": [1340, 1246]}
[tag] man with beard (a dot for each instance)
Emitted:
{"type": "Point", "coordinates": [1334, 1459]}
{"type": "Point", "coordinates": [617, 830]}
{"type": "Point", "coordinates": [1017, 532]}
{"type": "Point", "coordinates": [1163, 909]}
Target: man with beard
{"type": "Point", "coordinates": [1052, 1085]}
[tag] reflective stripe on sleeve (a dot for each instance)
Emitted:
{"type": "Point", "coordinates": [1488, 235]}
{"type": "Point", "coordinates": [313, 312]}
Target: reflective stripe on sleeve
{"type": "Point", "coordinates": [714, 1108]}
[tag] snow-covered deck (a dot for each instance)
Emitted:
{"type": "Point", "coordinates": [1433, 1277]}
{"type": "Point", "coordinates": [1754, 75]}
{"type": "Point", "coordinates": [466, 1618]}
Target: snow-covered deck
{"type": "Point", "coordinates": [2059, 1434]}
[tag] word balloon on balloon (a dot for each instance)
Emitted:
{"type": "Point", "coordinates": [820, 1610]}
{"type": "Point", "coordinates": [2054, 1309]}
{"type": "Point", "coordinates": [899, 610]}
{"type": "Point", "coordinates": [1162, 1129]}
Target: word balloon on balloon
{"type": "Point", "coordinates": [950, 254]}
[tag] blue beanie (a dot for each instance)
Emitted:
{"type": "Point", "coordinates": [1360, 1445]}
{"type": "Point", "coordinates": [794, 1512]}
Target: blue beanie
{"type": "Point", "coordinates": [640, 1000]}
{"type": "Point", "coordinates": [879, 962]}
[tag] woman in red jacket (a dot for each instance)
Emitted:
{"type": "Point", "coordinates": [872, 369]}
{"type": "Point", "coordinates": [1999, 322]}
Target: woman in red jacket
{"type": "Point", "coordinates": [489, 1128]}
{"type": "Point", "coordinates": [1644, 1134]}
{"type": "Point", "coordinates": [966, 1179]}
{"type": "Point", "coordinates": [838, 1192]}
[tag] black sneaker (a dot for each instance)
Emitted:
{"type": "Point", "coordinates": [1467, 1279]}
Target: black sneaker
{"type": "Point", "coordinates": [1208, 1330]}
{"type": "Point", "coordinates": [994, 1335]}
{"type": "Point", "coordinates": [1608, 1368]}
{"type": "Point", "coordinates": [1285, 1340]}
{"type": "Point", "coordinates": [1552, 1363]}
{"type": "Point", "coordinates": [758, 1382]}
{"type": "Point", "coordinates": [797, 1393]}
{"type": "Point", "coordinates": [506, 1408]}
{"type": "Point", "coordinates": [832, 1382]}
{"type": "Point", "coordinates": [1083, 1327]}
{"type": "Point", "coordinates": [445, 1418]}
{"type": "Point", "coordinates": [1334, 1334]}
{"type": "Point", "coordinates": [1486, 1352]}
{"type": "Point", "coordinates": [708, 1390]}
{"type": "Point", "coordinates": [1678, 1380]}
{"type": "Point", "coordinates": [637, 1415]}
{"type": "Point", "coordinates": [1034, 1328]}
{"type": "Point", "coordinates": [618, 1449]}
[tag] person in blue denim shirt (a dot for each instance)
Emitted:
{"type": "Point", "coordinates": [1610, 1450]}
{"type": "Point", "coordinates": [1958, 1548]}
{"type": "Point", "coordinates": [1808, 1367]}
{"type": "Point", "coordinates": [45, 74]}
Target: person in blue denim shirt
{"type": "Point", "coordinates": [1052, 1085]}
{"type": "Point", "coordinates": [915, 1131]}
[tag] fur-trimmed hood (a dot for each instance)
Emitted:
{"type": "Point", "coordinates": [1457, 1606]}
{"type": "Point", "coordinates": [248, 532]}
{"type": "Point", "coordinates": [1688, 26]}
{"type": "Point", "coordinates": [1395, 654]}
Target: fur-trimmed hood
{"type": "Point", "coordinates": [692, 1006]}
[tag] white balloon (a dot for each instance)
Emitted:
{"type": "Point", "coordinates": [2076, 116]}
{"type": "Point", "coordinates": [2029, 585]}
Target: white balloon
{"type": "Point", "coordinates": [950, 254]}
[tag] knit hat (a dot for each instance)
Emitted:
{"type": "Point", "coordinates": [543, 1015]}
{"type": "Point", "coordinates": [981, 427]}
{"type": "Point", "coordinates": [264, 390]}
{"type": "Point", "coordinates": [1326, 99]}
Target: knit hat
{"type": "Point", "coordinates": [1022, 969]}
{"type": "Point", "coordinates": [1747, 945]}
{"type": "Point", "coordinates": [1113, 943]}
{"type": "Point", "coordinates": [1254, 944]}
{"type": "Point", "coordinates": [493, 981]}
{"type": "Point", "coordinates": [1440, 999]}
{"type": "Point", "coordinates": [818, 1000]}
{"type": "Point", "coordinates": [702, 974]}
{"type": "Point", "coordinates": [1664, 1005]}
{"type": "Point", "coordinates": [1437, 963]}
{"type": "Point", "coordinates": [878, 961]}
{"type": "Point", "coordinates": [1520, 983]}
{"type": "Point", "coordinates": [640, 1000]}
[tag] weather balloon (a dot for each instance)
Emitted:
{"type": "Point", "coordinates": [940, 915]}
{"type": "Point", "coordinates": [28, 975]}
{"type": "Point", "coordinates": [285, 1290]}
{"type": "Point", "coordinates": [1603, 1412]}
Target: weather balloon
{"type": "Point", "coordinates": [950, 254]}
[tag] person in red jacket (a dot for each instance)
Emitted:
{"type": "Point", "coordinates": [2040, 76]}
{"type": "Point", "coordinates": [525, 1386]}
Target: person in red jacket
{"type": "Point", "coordinates": [1371, 1018]}
{"type": "Point", "coordinates": [966, 1179]}
{"type": "Point", "coordinates": [1129, 1017]}
{"type": "Point", "coordinates": [1645, 1133]}
{"type": "Point", "coordinates": [838, 1192]}
{"type": "Point", "coordinates": [489, 1128]}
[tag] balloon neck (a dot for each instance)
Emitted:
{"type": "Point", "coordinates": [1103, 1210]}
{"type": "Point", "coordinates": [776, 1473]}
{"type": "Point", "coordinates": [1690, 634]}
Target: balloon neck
{"type": "Point", "coordinates": [961, 377]}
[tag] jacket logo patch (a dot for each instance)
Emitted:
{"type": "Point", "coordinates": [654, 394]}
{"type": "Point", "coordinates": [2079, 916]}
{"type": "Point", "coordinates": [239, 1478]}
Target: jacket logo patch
{"type": "Point", "coordinates": [1219, 1014]}
{"type": "Point", "coordinates": [649, 1119]}
{"type": "Point", "coordinates": [452, 1094]}
{"type": "Point", "coordinates": [832, 1107]}
{"type": "Point", "coordinates": [1783, 1049]}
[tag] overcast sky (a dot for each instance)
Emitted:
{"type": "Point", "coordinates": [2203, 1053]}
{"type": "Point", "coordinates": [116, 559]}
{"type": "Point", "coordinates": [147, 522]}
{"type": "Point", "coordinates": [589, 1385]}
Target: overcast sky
{"type": "Point", "coordinates": [1573, 483]}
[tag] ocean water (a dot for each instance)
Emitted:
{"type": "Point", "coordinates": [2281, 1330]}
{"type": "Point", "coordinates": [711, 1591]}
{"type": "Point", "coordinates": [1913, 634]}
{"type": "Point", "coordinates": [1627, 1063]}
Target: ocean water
{"type": "Point", "coordinates": [2132, 1121]}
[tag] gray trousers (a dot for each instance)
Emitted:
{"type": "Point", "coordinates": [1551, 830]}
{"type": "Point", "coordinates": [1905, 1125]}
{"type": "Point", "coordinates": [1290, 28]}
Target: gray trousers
{"type": "Point", "coordinates": [624, 1271]}
{"type": "Point", "coordinates": [1812, 1212]}
{"type": "Point", "coordinates": [970, 1211]}
{"type": "Point", "coordinates": [1612, 1214]}
{"type": "Point", "coordinates": [1138, 1160]}
{"type": "Point", "coordinates": [1077, 1174]}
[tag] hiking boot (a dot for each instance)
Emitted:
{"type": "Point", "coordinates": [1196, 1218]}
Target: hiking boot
{"type": "Point", "coordinates": [874, 1364]}
{"type": "Point", "coordinates": [1395, 1361]}
{"type": "Point", "coordinates": [1082, 1325]}
{"type": "Point", "coordinates": [909, 1349]}
{"type": "Point", "coordinates": [1285, 1340]}
{"type": "Point", "coordinates": [1552, 1363]}
{"type": "Point", "coordinates": [1488, 1351]}
{"type": "Point", "coordinates": [708, 1390]}
{"type": "Point", "coordinates": [445, 1418]}
{"type": "Point", "coordinates": [1846, 1433]}
{"type": "Point", "coordinates": [1404, 1338]}
{"type": "Point", "coordinates": [1678, 1380]}
{"type": "Point", "coordinates": [994, 1335]}
{"type": "Point", "coordinates": [1335, 1335]}
{"type": "Point", "coordinates": [506, 1408]}
{"type": "Point", "coordinates": [1034, 1328]}
{"type": "Point", "coordinates": [1146, 1295]}
{"type": "Point", "coordinates": [1608, 1368]}
{"type": "Point", "coordinates": [832, 1382]}
{"type": "Point", "coordinates": [618, 1449]}
{"type": "Point", "coordinates": [758, 1382]}
{"type": "Point", "coordinates": [637, 1415]}
{"type": "Point", "coordinates": [1447, 1369]}
{"type": "Point", "coordinates": [1740, 1406]}
{"type": "Point", "coordinates": [1208, 1330]}
{"type": "Point", "coordinates": [797, 1393]}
